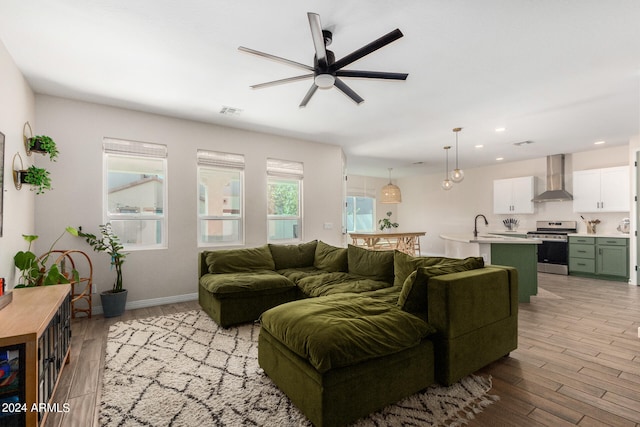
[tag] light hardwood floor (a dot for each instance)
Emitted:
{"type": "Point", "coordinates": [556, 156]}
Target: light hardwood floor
{"type": "Point", "coordinates": [577, 362]}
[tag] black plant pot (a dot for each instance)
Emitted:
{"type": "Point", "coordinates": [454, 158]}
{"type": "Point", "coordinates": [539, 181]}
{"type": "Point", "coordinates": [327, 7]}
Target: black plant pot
{"type": "Point", "coordinates": [35, 145]}
{"type": "Point", "coordinates": [113, 303]}
{"type": "Point", "coordinates": [20, 176]}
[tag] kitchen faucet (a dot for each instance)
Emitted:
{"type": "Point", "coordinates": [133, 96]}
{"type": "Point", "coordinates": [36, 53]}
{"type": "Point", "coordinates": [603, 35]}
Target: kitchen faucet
{"type": "Point", "coordinates": [475, 224]}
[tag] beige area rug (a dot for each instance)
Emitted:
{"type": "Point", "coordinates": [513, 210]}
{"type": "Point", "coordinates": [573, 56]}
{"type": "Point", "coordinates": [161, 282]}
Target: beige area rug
{"type": "Point", "coordinates": [184, 370]}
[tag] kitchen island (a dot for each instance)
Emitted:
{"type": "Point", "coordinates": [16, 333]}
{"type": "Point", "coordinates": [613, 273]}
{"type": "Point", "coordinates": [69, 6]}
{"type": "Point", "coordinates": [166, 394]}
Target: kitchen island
{"type": "Point", "coordinates": [518, 252]}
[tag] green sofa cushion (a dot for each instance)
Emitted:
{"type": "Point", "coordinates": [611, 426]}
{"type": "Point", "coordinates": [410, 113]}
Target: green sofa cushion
{"type": "Point", "coordinates": [414, 297]}
{"type": "Point", "coordinates": [295, 274]}
{"type": "Point", "coordinates": [337, 283]}
{"type": "Point", "coordinates": [335, 331]}
{"type": "Point", "coordinates": [255, 283]}
{"type": "Point", "coordinates": [293, 256]}
{"type": "Point", "coordinates": [330, 258]}
{"type": "Point", "coordinates": [405, 264]}
{"type": "Point", "coordinates": [375, 265]}
{"type": "Point", "coordinates": [240, 260]}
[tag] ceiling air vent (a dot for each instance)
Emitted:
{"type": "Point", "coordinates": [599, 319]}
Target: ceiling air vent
{"type": "Point", "coordinates": [230, 111]}
{"type": "Point", "coordinates": [521, 143]}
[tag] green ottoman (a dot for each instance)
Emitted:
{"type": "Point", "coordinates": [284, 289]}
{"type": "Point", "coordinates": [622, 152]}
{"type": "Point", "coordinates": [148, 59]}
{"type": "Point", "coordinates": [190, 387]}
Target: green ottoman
{"type": "Point", "coordinates": [341, 357]}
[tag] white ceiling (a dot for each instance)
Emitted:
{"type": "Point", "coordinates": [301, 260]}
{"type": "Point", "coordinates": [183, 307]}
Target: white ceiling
{"type": "Point", "coordinates": [561, 73]}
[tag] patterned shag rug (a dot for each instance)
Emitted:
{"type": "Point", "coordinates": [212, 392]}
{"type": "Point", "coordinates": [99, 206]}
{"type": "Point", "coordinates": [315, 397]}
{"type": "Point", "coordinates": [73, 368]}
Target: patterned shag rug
{"type": "Point", "coordinates": [184, 370]}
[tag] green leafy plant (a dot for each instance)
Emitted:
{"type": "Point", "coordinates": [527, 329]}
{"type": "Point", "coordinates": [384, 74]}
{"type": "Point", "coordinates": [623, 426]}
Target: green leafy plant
{"type": "Point", "coordinates": [34, 270]}
{"type": "Point", "coordinates": [38, 178]}
{"type": "Point", "coordinates": [108, 242]}
{"type": "Point", "coordinates": [386, 222]}
{"type": "Point", "coordinates": [46, 145]}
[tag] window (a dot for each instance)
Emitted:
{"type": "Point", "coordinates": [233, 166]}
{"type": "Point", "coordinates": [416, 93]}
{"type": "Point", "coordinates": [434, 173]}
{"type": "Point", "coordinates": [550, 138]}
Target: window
{"type": "Point", "coordinates": [135, 192]}
{"type": "Point", "coordinates": [284, 200]}
{"type": "Point", "coordinates": [220, 198]}
{"type": "Point", "coordinates": [360, 213]}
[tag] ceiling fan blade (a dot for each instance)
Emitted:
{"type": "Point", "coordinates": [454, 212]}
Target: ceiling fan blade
{"type": "Point", "coordinates": [275, 58]}
{"type": "Point", "coordinates": [372, 74]}
{"type": "Point", "coordinates": [282, 81]}
{"type": "Point", "coordinates": [348, 91]}
{"type": "Point", "coordinates": [308, 96]}
{"type": "Point", "coordinates": [365, 50]}
{"type": "Point", "coordinates": [318, 38]}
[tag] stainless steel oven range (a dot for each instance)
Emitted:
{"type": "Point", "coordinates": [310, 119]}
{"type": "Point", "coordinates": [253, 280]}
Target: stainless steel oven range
{"type": "Point", "coordinates": [553, 253]}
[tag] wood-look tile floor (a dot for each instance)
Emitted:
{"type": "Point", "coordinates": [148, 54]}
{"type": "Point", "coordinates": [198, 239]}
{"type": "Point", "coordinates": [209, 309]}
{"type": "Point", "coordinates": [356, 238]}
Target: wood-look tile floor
{"type": "Point", "coordinates": [577, 362]}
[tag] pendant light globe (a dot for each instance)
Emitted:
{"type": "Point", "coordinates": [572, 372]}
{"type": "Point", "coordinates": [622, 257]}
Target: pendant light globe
{"type": "Point", "coordinates": [447, 184]}
{"type": "Point", "coordinates": [457, 175]}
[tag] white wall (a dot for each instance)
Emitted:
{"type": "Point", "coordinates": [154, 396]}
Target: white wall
{"type": "Point", "coordinates": [78, 129]}
{"type": "Point", "coordinates": [426, 207]}
{"type": "Point", "coordinates": [17, 107]}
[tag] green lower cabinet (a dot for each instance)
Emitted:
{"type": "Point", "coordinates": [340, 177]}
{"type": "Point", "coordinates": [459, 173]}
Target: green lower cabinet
{"type": "Point", "coordinates": [600, 257]}
{"type": "Point", "coordinates": [524, 257]}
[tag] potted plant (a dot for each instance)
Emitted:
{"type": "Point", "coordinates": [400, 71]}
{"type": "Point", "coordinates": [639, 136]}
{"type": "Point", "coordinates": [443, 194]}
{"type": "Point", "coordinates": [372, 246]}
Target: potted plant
{"type": "Point", "coordinates": [45, 145]}
{"type": "Point", "coordinates": [37, 177]}
{"type": "Point", "coordinates": [34, 270]}
{"type": "Point", "coordinates": [114, 300]}
{"type": "Point", "coordinates": [386, 224]}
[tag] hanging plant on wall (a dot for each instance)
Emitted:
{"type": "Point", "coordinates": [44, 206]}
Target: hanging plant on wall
{"type": "Point", "coordinates": [37, 177]}
{"type": "Point", "coordinates": [43, 144]}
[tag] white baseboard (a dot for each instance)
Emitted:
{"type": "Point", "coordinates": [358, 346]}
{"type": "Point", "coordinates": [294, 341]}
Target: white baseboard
{"type": "Point", "coordinates": [152, 302]}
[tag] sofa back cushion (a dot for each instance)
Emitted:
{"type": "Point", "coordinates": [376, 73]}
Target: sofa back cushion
{"type": "Point", "coordinates": [404, 265]}
{"type": "Point", "coordinates": [376, 265]}
{"type": "Point", "coordinates": [414, 296]}
{"type": "Point", "coordinates": [293, 256]}
{"type": "Point", "coordinates": [330, 258]}
{"type": "Point", "coordinates": [240, 260]}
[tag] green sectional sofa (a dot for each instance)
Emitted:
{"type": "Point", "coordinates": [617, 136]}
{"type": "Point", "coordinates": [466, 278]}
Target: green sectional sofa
{"type": "Point", "coordinates": [347, 331]}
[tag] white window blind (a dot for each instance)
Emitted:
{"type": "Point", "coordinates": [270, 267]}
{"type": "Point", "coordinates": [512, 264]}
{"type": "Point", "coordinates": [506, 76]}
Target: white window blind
{"type": "Point", "coordinates": [219, 159]}
{"type": "Point", "coordinates": [285, 168]}
{"type": "Point", "coordinates": [137, 148]}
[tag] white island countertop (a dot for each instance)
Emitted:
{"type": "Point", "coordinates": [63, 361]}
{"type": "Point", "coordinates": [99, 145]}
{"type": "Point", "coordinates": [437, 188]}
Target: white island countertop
{"type": "Point", "coordinates": [462, 245]}
{"type": "Point", "coordinates": [488, 238]}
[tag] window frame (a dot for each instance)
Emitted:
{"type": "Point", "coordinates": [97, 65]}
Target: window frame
{"type": "Point", "coordinates": [288, 170]}
{"type": "Point", "coordinates": [373, 214]}
{"type": "Point", "coordinates": [120, 148]}
{"type": "Point", "coordinates": [223, 162]}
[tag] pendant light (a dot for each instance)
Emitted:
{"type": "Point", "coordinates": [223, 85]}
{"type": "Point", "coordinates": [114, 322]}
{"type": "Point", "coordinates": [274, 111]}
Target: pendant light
{"type": "Point", "coordinates": [457, 175]}
{"type": "Point", "coordinates": [447, 184]}
{"type": "Point", "coordinates": [391, 193]}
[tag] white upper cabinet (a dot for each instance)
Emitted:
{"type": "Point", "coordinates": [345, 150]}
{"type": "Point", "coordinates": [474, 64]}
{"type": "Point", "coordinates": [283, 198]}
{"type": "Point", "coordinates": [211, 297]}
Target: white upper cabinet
{"type": "Point", "coordinates": [602, 190]}
{"type": "Point", "coordinates": [513, 196]}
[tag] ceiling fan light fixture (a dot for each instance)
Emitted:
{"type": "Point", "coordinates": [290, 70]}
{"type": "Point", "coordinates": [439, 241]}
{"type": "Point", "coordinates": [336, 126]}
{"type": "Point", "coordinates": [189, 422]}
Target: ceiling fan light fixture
{"type": "Point", "coordinates": [324, 81]}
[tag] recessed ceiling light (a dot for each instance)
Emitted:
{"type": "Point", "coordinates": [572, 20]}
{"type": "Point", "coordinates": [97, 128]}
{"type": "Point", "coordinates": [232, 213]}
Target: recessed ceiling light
{"type": "Point", "coordinates": [500, 129]}
{"type": "Point", "coordinates": [599, 142]}
{"type": "Point", "coordinates": [499, 158]}
{"type": "Point", "coordinates": [479, 146]}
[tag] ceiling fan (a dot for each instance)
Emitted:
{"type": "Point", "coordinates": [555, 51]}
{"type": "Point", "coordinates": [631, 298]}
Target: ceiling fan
{"type": "Point", "coordinates": [326, 71]}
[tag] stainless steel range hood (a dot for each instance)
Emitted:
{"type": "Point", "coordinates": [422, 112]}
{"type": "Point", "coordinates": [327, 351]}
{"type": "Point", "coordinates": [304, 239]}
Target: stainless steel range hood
{"type": "Point", "coordinates": [555, 182]}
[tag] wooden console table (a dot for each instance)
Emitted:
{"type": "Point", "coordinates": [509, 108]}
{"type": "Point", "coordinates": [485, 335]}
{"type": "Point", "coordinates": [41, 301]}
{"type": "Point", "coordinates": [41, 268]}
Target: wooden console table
{"type": "Point", "coordinates": [407, 242]}
{"type": "Point", "coordinates": [35, 334]}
